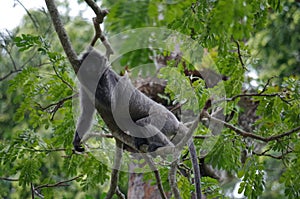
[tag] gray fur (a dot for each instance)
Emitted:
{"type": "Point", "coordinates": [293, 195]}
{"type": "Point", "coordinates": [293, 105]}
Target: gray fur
{"type": "Point", "coordinates": [121, 106]}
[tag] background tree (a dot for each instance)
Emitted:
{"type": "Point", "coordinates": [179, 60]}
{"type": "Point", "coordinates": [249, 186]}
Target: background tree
{"type": "Point", "coordinates": [258, 149]}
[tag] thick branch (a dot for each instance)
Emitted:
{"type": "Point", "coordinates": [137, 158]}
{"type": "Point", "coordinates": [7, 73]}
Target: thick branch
{"type": "Point", "coordinates": [62, 34]}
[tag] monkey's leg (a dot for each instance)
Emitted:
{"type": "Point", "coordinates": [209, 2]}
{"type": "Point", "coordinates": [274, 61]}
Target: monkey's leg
{"type": "Point", "coordinates": [152, 136]}
{"type": "Point", "coordinates": [180, 134]}
{"type": "Point", "coordinates": [85, 120]}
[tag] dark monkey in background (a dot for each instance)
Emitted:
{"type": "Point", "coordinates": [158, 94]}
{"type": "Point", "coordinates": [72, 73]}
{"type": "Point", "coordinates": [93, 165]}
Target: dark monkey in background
{"type": "Point", "coordinates": [124, 108]}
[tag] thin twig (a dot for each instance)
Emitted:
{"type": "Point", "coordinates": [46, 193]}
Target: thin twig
{"type": "Point", "coordinates": [172, 179]}
{"type": "Point", "coordinates": [97, 10]}
{"type": "Point", "coordinates": [202, 136]}
{"type": "Point", "coordinates": [120, 194]}
{"type": "Point", "coordinates": [61, 78]}
{"type": "Point", "coordinates": [114, 180]}
{"type": "Point", "coordinates": [251, 135]}
{"type": "Point", "coordinates": [9, 74]}
{"type": "Point", "coordinates": [266, 85]}
{"type": "Point", "coordinates": [29, 14]}
{"type": "Point", "coordinates": [58, 184]}
{"type": "Point", "coordinates": [157, 176]}
{"type": "Point", "coordinates": [253, 95]}
{"type": "Point", "coordinates": [32, 190]}
{"type": "Point", "coordinates": [10, 56]}
{"type": "Point", "coordinates": [99, 35]}
{"type": "Point", "coordinates": [100, 14]}
{"type": "Point", "coordinates": [43, 150]}
{"type": "Point", "coordinates": [240, 55]}
{"type": "Point", "coordinates": [59, 103]}
{"type": "Point", "coordinates": [273, 156]}
{"type": "Point", "coordinates": [9, 179]}
{"type": "Point", "coordinates": [28, 60]}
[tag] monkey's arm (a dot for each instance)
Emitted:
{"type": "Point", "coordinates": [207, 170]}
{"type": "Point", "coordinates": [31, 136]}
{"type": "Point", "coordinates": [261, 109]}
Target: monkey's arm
{"type": "Point", "coordinates": [85, 119]}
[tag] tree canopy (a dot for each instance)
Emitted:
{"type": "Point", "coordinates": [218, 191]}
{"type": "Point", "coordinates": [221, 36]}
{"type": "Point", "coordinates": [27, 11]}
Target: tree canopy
{"type": "Point", "coordinates": [243, 56]}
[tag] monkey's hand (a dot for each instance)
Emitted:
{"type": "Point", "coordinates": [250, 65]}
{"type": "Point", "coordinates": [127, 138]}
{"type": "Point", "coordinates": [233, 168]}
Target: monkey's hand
{"type": "Point", "coordinates": [77, 143]}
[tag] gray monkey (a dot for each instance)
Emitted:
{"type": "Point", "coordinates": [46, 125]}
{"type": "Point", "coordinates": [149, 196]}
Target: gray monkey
{"type": "Point", "coordinates": [122, 107]}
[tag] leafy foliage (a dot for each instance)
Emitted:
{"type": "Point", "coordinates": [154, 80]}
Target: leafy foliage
{"type": "Point", "coordinates": [242, 38]}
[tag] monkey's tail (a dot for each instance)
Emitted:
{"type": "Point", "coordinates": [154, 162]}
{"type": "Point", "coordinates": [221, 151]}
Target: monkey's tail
{"type": "Point", "coordinates": [196, 169]}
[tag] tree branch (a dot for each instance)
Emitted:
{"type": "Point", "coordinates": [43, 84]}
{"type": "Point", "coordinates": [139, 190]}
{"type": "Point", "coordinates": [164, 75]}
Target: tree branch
{"type": "Point", "coordinates": [58, 184]}
{"type": "Point", "coordinates": [30, 15]}
{"type": "Point", "coordinates": [251, 135]}
{"type": "Point", "coordinates": [273, 156]}
{"type": "Point", "coordinates": [32, 190]}
{"type": "Point", "coordinates": [42, 150]}
{"type": "Point", "coordinates": [120, 194]}
{"type": "Point", "coordinates": [100, 14]}
{"type": "Point", "coordinates": [240, 55]}
{"type": "Point", "coordinates": [57, 105]}
{"type": "Point", "coordinates": [172, 179]}
{"type": "Point", "coordinates": [63, 36]}
{"type": "Point", "coordinates": [99, 35]}
{"type": "Point", "coordinates": [114, 180]}
{"type": "Point", "coordinates": [157, 176]}
{"type": "Point", "coordinates": [97, 10]}
{"type": "Point", "coordinates": [9, 179]}
{"type": "Point", "coordinates": [61, 78]}
{"type": "Point", "coordinates": [266, 85]}
{"type": "Point", "coordinates": [5, 47]}
{"type": "Point", "coordinates": [280, 95]}
{"type": "Point", "coordinates": [9, 74]}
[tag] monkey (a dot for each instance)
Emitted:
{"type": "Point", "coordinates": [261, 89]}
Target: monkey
{"type": "Point", "coordinates": [124, 108]}
{"type": "Point", "coordinates": [150, 123]}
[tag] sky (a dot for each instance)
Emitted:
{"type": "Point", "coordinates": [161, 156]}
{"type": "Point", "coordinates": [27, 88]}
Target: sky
{"type": "Point", "coordinates": [11, 12]}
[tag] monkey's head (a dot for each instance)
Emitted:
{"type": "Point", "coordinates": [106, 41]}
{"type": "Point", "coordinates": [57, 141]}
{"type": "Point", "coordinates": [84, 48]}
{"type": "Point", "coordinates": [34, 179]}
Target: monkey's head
{"type": "Point", "coordinates": [93, 64]}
